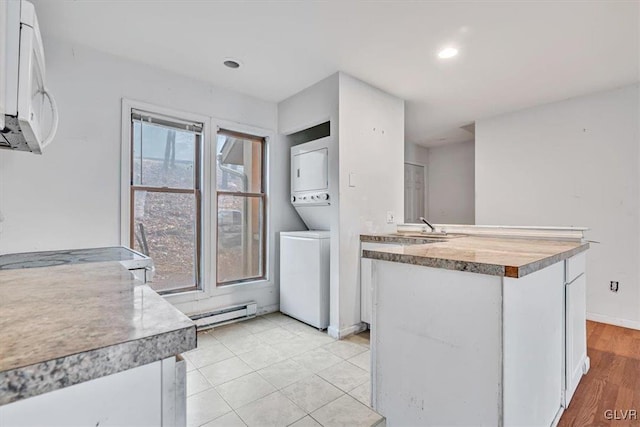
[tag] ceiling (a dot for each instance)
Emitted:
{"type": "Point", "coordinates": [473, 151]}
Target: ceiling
{"type": "Point", "coordinates": [513, 54]}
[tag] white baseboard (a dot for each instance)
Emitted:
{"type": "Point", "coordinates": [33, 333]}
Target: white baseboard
{"type": "Point", "coordinates": [345, 332]}
{"type": "Point", "coordinates": [556, 419]}
{"type": "Point", "coordinates": [625, 323]}
{"type": "Point", "coordinates": [333, 332]}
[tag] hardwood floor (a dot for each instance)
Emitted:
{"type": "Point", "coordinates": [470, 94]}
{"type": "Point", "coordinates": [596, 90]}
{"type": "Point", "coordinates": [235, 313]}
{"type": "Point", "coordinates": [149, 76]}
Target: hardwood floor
{"type": "Point", "coordinates": [613, 382]}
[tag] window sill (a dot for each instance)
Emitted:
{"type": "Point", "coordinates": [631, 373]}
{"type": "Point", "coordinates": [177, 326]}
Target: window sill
{"type": "Point", "coordinates": [215, 291]}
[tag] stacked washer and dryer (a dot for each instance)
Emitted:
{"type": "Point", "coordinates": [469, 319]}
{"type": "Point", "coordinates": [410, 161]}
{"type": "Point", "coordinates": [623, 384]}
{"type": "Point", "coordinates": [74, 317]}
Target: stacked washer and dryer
{"type": "Point", "coordinates": [304, 255]}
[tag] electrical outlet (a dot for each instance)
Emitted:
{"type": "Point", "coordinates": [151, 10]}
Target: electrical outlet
{"type": "Point", "coordinates": [390, 217]}
{"type": "Point", "coordinates": [613, 286]}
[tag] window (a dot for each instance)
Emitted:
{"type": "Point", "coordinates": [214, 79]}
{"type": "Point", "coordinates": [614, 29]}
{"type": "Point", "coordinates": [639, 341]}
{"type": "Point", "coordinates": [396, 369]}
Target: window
{"type": "Point", "coordinates": [194, 202]}
{"type": "Point", "coordinates": [165, 182]}
{"type": "Point", "coordinates": [241, 207]}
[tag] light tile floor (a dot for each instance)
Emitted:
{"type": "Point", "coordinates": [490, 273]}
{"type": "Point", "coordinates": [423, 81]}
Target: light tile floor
{"type": "Point", "coordinates": [276, 371]}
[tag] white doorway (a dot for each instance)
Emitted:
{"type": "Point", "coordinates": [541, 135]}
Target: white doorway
{"type": "Point", "coordinates": [414, 192]}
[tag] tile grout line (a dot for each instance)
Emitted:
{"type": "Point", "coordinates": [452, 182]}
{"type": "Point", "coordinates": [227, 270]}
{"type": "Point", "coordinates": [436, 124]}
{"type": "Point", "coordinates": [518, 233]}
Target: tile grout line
{"type": "Point", "coordinates": [283, 395]}
{"type": "Point", "coordinates": [296, 332]}
{"type": "Point", "coordinates": [331, 401]}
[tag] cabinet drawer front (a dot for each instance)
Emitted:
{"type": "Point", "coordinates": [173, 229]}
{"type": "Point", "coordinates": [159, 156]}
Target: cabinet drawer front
{"type": "Point", "coordinates": [574, 267]}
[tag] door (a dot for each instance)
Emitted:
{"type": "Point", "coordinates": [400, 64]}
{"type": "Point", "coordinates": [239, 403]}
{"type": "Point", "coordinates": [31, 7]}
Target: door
{"type": "Point", "coordinates": [414, 192]}
{"type": "Point", "coordinates": [3, 65]}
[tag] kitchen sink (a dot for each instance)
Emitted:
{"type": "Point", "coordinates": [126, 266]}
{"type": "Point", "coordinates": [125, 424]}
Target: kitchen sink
{"type": "Point", "coordinates": [428, 235]}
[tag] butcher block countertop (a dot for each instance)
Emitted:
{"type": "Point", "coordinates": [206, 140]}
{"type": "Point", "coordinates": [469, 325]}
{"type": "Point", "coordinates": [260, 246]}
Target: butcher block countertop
{"type": "Point", "coordinates": [507, 257]}
{"type": "Point", "coordinates": [67, 324]}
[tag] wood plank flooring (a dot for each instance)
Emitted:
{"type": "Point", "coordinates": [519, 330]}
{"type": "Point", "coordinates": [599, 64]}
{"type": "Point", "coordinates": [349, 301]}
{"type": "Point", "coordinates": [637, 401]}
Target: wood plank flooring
{"type": "Point", "coordinates": [613, 382]}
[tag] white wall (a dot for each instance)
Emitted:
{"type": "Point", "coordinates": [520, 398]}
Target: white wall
{"type": "Point", "coordinates": [376, 159]}
{"type": "Point", "coordinates": [371, 147]}
{"type": "Point", "coordinates": [574, 162]}
{"type": "Point", "coordinates": [451, 182]}
{"type": "Point", "coordinates": [414, 153]}
{"type": "Point", "coordinates": [70, 196]}
{"type": "Point", "coordinates": [309, 107]}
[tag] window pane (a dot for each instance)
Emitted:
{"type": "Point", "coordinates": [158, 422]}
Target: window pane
{"type": "Point", "coordinates": [239, 163]}
{"type": "Point", "coordinates": [163, 157]}
{"type": "Point", "coordinates": [240, 248]}
{"type": "Point", "coordinates": [165, 225]}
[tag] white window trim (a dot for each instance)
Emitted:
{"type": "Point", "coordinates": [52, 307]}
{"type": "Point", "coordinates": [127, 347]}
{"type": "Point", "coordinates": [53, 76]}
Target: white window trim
{"type": "Point", "coordinates": [209, 201]}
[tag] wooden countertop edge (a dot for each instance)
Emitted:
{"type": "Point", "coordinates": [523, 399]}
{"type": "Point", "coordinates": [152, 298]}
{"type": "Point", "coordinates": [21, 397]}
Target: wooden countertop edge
{"type": "Point", "coordinates": [511, 271]}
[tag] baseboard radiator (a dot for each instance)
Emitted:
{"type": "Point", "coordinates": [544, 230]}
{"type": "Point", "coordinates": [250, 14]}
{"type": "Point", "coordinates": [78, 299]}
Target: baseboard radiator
{"type": "Point", "coordinates": [225, 315]}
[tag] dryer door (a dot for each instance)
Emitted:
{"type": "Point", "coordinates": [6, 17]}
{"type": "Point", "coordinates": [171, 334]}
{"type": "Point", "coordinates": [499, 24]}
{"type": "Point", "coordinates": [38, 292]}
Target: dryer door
{"type": "Point", "coordinates": [309, 171]}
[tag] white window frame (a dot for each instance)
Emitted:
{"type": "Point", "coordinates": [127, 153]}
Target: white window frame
{"type": "Point", "coordinates": [263, 198]}
{"type": "Point", "coordinates": [208, 203]}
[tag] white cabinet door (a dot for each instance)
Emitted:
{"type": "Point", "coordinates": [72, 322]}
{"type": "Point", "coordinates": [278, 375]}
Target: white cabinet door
{"type": "Point", "coordinates": [576, 335]}
{"type": "Point", "coordinates": [128, 398]}
{"type": "Point", "coordinates": [366, 300]}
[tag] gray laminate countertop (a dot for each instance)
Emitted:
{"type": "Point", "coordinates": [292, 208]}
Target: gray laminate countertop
{"type": "Point", "coordinates": [127, 257]}
{"type": "Point", "coordinates": [67, 324]}
{"type": "Point", "coordinates": [507, 257]}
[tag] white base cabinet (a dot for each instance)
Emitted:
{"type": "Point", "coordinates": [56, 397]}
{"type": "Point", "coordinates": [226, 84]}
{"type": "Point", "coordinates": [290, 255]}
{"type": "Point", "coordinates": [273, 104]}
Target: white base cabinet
{"type": "Point", "coordinates": [436, 346]}
{"type": "Point", "coordinates": [533, 310]}
{"type": "Point", "coordinates": [457, 348]}
{"type": "Point", "coordinates": [366, 290]}
{"type": "Point", "coordinates": [576, 360]}
{"type": "Point", "coordinates": [148, 395]}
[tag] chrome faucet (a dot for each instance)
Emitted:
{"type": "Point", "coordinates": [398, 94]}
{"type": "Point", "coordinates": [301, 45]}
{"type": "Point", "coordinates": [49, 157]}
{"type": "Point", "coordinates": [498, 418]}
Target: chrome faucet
{"type": "Point", "coordinates": [433, 229]}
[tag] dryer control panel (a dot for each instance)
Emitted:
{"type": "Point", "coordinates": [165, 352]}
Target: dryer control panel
{"type": "Point", "coordinates": [311, 199]}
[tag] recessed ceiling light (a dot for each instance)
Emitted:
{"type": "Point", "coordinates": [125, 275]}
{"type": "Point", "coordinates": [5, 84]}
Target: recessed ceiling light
{"type": "Point", "coordinates": [448, 52]}
{"type": "Point", "coordinates": [232, 63]}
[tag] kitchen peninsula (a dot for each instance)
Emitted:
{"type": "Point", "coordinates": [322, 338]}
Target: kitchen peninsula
{"type": "Point", "coordinates": [87, 344]}
{"type": "Point", "coordinates": [476, 330]}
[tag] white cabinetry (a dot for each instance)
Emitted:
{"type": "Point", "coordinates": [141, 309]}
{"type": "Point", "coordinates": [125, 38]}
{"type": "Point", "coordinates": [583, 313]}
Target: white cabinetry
{"type": "Point", "coordinates": [366, 292]}
{"type": "Point", "coordinates": [533, 313]}
{"type": "Point", "coordinates": [148, 395]}
{"type": "Point", "coordinates": [459, 348]}
{"type": "Point", "coordinates": [436, 340]}
{"type": "Point", "coordinates": [576, 360]}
